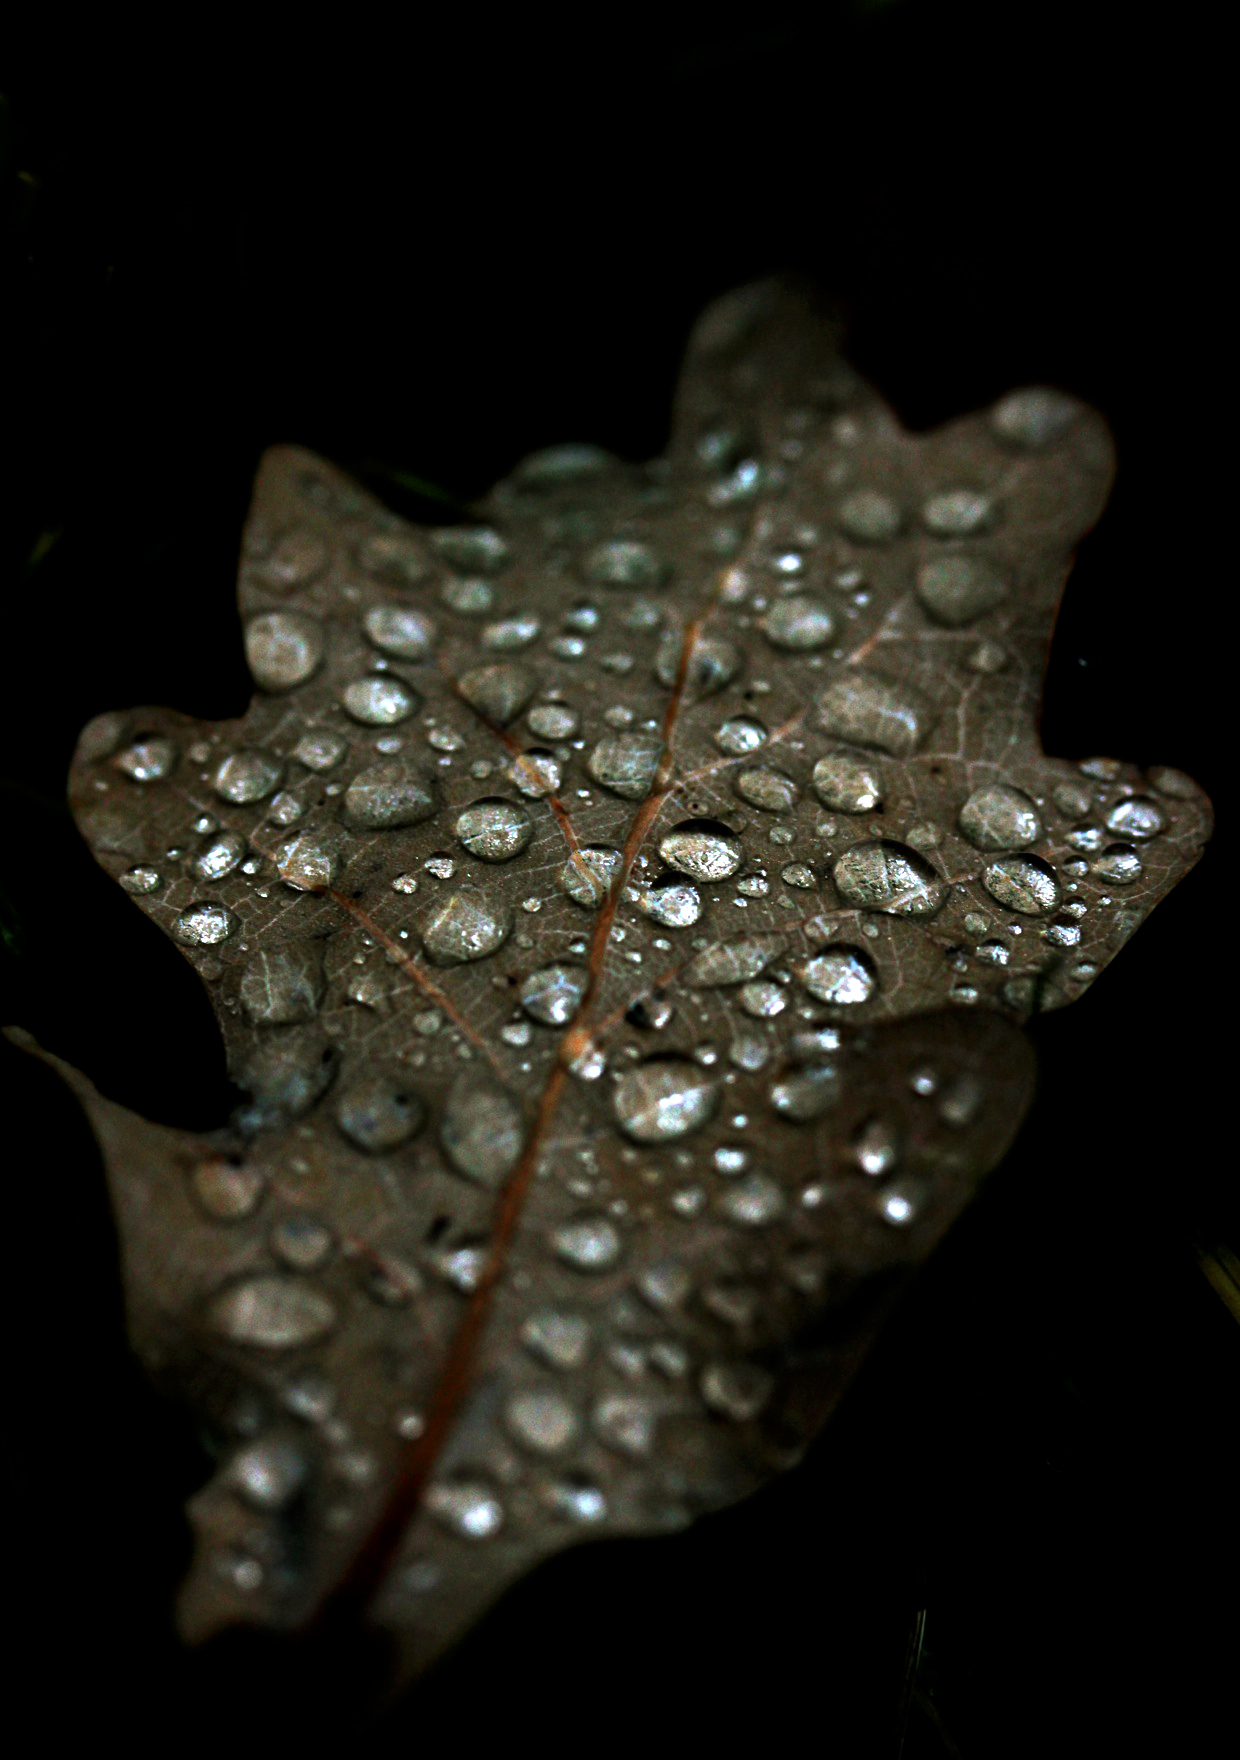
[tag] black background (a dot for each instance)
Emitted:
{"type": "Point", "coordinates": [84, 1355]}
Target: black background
{"type": "Point", "coordinates": [428, 248]}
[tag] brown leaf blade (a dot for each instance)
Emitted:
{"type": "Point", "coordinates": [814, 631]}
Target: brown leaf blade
{"type": "Point", "coordinates": [621, 916]}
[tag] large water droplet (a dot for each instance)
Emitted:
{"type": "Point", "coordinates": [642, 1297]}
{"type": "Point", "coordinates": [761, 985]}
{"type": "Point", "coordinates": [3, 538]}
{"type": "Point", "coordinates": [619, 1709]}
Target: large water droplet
{"type": "Point", "coordinates": [379, 699]}
{"type": "Point", "coordinates": [483, 1131]}
{"type": "Point", "coordinates": [220, 856]}
{"type": "Point", "coordinates": [1022, 883]}
{"type": "Point", "coordinates": [388, 795]}
{"type": "Point", "coordinates": [869, 517]}
{"type": "Point", "coordinates": [500, 690]}
{"type": "Point", "coordinates": [732, 962]}
{"type": "Point", "coordinates": [467, 1507]}
{"type": "Point", "coordinates": [768, 789]}
{"type": "Point", "coordinates": [282, 985]}
{"type": "Point", "coordinates": [663, 1099]}
{"type": "Point", "coordinates": [842, 975]}
{"type": "Point", "coordinates": [958, 513]}
{"type": "Point", "coordinates": [1137, 817]}
{"type": "Point", "coordinates": [560, 1340]}
{"type": "Point", "coordinates": [736, 1390]}
{"type": "Point", "coordinates": [379, 1112]}
{"type": "Point", "coordinates": [623, 562]}
{"type": "Point", "coordinates": [553, 994]}
{"type": "Point", "coordinates": [283, 649]}
{"type": "Point", "coordinates": [675, 904]}
{"type": "Point", "coordinates": [245, 777]}
{"type": "Point", "coordinates": [872, 711]}
{"type": "Point", "coordinates": [147, 760]}
{"type": "Point", "coordinates": [626, 763]}
{"type": "Point", "coordinates": [713, 663]}
{"type": "Point", "coordinates": [799, 624]}
{"type": "Point", "coordinates": [276, 1313]}
{"type": "Point", "coordinates": [888, 876]}
{"type": "Point", "coordinates": [590, 1244]}
{"type": "Point", "coordinates": [396, 630]}
{"type": "Point", "coordinates": [587, 876]}
{"type": "Point", "coordinates": [999, 817]}
{"type": "Point", "coordinates": [310, 861]}
{"type": "Point", "coordinates": [495, 830]}
{"type": "Point", "coordinates": [740, 734]}
{"type": "Point", "coordinates": [466, 925]}
{"type": "Point", "coordinates": [203, 924]}
{"type": "Point", "coordinates": [957, 589]}
{"type": "Point", "coordinates": [703, 849]}
{"type": "Point", "coordinates": [471, 548]}
{"type": "Point", "coordinates": [542, 1419]}
{"type": "Point", "coordinates": [1033, 417]}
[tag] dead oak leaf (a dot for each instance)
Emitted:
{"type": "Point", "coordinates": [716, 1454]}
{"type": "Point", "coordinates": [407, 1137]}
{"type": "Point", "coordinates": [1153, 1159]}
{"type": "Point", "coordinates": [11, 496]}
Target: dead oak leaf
{"type": "Point", "coordinates": [620, 914]}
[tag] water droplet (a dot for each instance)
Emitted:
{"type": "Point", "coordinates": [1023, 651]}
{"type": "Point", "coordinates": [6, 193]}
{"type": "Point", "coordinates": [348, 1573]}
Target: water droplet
{"type": "Point", "coordinates": [310, 861]}
{"type": "Point", "coordinates": [675, 906]}
{"type": "Point", "coordinates": [872, 711]}
{"type": "Point", "coordinates": [587, 876]}
{"type": "Point", "coordinates": [276, 1313]}
{"type": "Point", "coordinates": [1022, 883]}
{"type": "Point", "coordinates": [848, 784]}
{"type": "Point", "coordinates": [732, 962]}
{"type": "Point", "coordinates": [1119, 865]}
{"type": "Point", "coordinates": [736, 1390]}
{"type": "Point", "coordinates": [1173, 783]}
{"type": "Point", "coordinates": [467, 1507]}
{"type": "Point", "coordinates": [578, 1502]}
{"type": "Point", "coordinates": [245, 777]}
{"type": "Point", "coordinates": [282, 985]}
{"type": "Point", "coordinates": [301, 1242]}
{"type": "Point", "coordinates": [554, 467]}
{"type": "Point", "coordinates": [398, 631]}
{"type": "Point", "coordinates": [320, 749]}
{"type": "Point", "coordinates": [147, 760]}
{"type": "Point", "coordinates": [713, 663]}
{"type": "Point", "coordinates": [768, 789]}
{"type": "Point", "coordinates": [388, 795]}
{"type": "Point", "coordinates": [625, 1423]}
{"type": "Point", "coordinates": [901, 1201]}
{"type": "Point", "coordinates": [553, 721]}
{"type": "Point", "coordinates": [590, 1244]}
{"type": "Point", "coordinates": [763, 1000]}
{"type": "Point", "coordinates": [959, 588]}
{"type": "Point", "coordinates": [379, 699]}
{"type": "Point", "coordinates": [495, 830]}
{"type": "Point", "coordinates": [203, 924]}
{"type": "Point", "coordinates": [869, 517]}
{"type": "Point", "coordinates": [876, 1147]}
{"type": "Point", "coordinates": [806, 1094]}
{"type": "Point", "coordinates": [510, 633]}
{"type": "Point", "coordinates": [225, 1191]}
{"type": "Point", "coordinates": [471, 547]}
{"type": "Point", "coordinates": [958, 513]}
{"type": "Point", "coordinates": [283, 649]}
{"type": "Point", "coordinates": [753, 1202]}
{"type": "Point", "coordinates": [141, 880]}
{"type": "Point", "coordinates": [999, 817]}
{"type": "Point", "coordinates": [499, 691]}
{"type": "Point", "coordinates": [296, 557]}
{"type": "Point", "coordinates": [394, 556]}
{"type": "Point", "coordinates": [1033, 417]}
{"type": "Point", "coordinates": [703, 849]}
{"type": "Point", "coordinates": [663, 1099]}
{"type": "Point", "coordinates": [1138, 817]}
{"type": "Point", "coordinates": [842, 975]}
{"type": "Point", "coordinates": [553, 994]}
{"type": "Point", "coordinates": [468, 598]}
{"type": "Point", "coordinates": [798, 875]}
{"type": "Point", "coordinates": [887, 876]}
{"type": "Point", "coordinates": [542, 1419]}
{"type": "Point", "coordinates": [740, 734]}
{"type": "Point", "coordinates": [626, 763]}
{"type": "Point", "coordinates": [466, 925]}
{"type": "Point", "coordinates": [268, 1474]}
{"type": "Point", "coordinates": [560, 1340]}
{"type": "Point", "coordinates": [536, 774]}
{"type": "Point", "coordinates": [483, 1130]}
{"type": "Point", "coordinates": [379, 1112]}
{"type": "Point", "coordinates": [625, 563]}
{"type": "Point", "coordinates": [799, 624]}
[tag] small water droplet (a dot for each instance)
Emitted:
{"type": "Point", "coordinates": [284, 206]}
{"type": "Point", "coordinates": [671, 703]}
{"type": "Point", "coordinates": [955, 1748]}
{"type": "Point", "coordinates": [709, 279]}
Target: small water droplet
{"type": "Point", "coordinates": [483, 1130]}
{"type": "Point", "coordinates": [590, 1244]}
{"type": "Point", "coordinates": [466, 925]}
{"type": "Point", "coordinates": [841, 975]}
{"type": "Point", "coordinates": [736, 1390]}
{"type": "Point", "coordinates": [268, 1474]}
{"type": "Point", "coordinates": [388, 795]}
{"type": "Point", "coordinates": [399, 631]}
{"type": "Point", "coordinates": [320, 749]}
{"type": "Point", "coordinates": [753, 1202]}
{"type": "Point", "coordinates": [869, 517]}
{"type": "Point", "coordinates": [960, 587]}
{"type": "Point", "coordinates": [541, 1419]}
{"type": "Point", "coordinates": [467, 1507]}
{"type": "Point", "coordinates": [703, 849]}
{"type": "Point", "coordinates": [626, 763]}
{"type": "Point", "coordinates": [495, 830]}
{"type": "Point", "coordinates": [767, 789]}
{"type": "Point", "coordinates": [1118, 865]}
{"type": "Point", "coordinates": [625, 1423]}
{"type": "Point", "coordinates": [1000, 817]}
{"type": "Point", "coordinates": [958, 513]}
{"type": "Point", "coordinates": [275, 1313]}
{"type": "Point", "coordinates": [141, 880]}
{"type": "Point", "coordinates": [301, 1242]}
{"type": "Point", "coordinates": [625, 563]}
{"type": "Point", "coordinates": [477, 548]}
{"type": "Point", "coordinates": [227, 1192]}
{"type": "Point", "coordinates": [732, 962]}
{"type": "Point", "coordinates": [379, 1112]}
{"type": "Point", "coordinates": [147, 760]}
{"type": "Point", "coordinates": [283, 649]}
{"type": "Point", "coordinates": [663, 1099]}
{"type": "Point", "coordinates": [868, 710]}
{"type": "Point", "coordinates": [203, 924]}
{"type": "Point", "coordinates": [379, 699]}
{"type": "Point", "coordinates": [248, 776]}
{"type": "Point", "coordinates": [740, 734]}
{"type": "Point", "coordinates": [553, 994]}
{"type": "Point", "coordinates": [1033, 417]}
{"type": "Point", "coordinates": [587, 876]}
{"type": "Point", "coordinates": [799, 624]}
{"type": "Point", "coordinates": [553, 721]}
{"type": "Point", "coordinates": [283, 985]}
{"type": "Point", "coordinates": [311, 861]}
{"type": "Point", "coordinates": [1137, 817]}
{"type": "Point", "coordinates": [876, 1147]}
{"type": "Point", "coordinates": [676, 906]}
{"type": "Point", "coordinates": [560, 1340]}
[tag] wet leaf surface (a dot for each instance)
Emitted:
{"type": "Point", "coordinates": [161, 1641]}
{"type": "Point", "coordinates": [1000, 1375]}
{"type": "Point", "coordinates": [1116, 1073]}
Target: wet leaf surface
{"type": "Point", "coordinates": [620, 913]}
